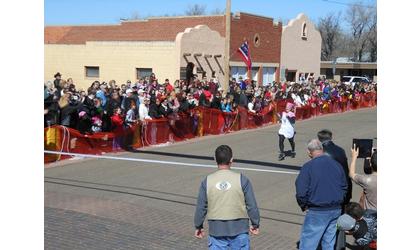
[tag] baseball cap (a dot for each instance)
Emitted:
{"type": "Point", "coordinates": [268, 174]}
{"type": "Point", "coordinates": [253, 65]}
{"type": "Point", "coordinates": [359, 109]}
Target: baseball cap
{"type": "Point", "coordinates": [129, 91]}
{"type": "Point", "coordinates": [345, 222]}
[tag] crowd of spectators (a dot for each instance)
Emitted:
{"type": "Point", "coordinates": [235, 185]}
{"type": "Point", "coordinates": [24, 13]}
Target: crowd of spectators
{"type": "Point", "coordinates": [109, 106]}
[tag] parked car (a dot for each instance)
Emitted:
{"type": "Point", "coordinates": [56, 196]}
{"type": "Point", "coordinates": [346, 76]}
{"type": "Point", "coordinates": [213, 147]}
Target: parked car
{"type": "Point", "coordinates": [354, 79]}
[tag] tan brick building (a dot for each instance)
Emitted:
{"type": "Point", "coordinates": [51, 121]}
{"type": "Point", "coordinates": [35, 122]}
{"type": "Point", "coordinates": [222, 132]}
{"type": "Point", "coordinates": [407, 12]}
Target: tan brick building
{"type": "Point", "coordinates": [300, 49]}
{"type": "Point", "coordinates": [133, 49]}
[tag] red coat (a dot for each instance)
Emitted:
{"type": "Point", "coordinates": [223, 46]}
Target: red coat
{"type": "Point", "coordinates": [117, 124]}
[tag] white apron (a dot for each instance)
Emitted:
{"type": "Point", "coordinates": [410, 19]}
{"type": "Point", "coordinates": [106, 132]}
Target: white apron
{"type": "Point", "coordinates": [286, 127]}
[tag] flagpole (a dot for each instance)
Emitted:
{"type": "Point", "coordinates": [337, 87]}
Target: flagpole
{"type": "Point", "coordinates": [227, 48]}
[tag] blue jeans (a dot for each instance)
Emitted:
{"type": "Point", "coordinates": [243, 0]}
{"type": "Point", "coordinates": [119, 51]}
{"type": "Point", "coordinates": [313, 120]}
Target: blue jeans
{"type": "Point", "coordinates": [319, 226]}
{"type": "Point", "coordinates": [238, 242]}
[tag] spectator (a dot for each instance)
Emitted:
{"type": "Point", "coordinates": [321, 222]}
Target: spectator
{"type": "Point", "coordinates": [84, 124]}
{"type": "Point", "coordinates": [117, 121]}
{"type": "Point", "coordinates": [57, 81]}
{"type": "Point", "coordinates": [192, 102]}
{"type": "Point", "coordinates": [320, 190]}
{"type": "Point", "coordinates": [68, 107]}
{"type": "Point", "coordinates": [164, 108]}
{"type": "Point", "coordinates": [243, 100]}
{"type": "Point", "coordinates": [141, 96]}
{"type": "Point", "coordinates": [338, 154]}
{"type": "Point", "coordinates": [130, 117]}
{"type": "Point", "coordinates": [96, 124]}
{"type": "Point", "coordinates": [361, 224]}
{"type": "Point", "coordinates": [114, 102]}
{"type": "Point", "coordinates": [215, 103]}
{"type": "Point", "coordinates": [184, 106]}
{"type": "Point", "coordinates": [100, 94]}
{"type": "Point", "coordinates": [144, 110]}
{"type": "Point", "coordinates": [287, 130]}
{"type": "Point", "coordinates": [128, 101]}
{"type": "Point", "coordinates": [226, 106]}
{"type": "Point", "coordinates": [227, 198]}
{"type": "Point", "coordinates": [94, 87]}
{"type": "Point", "coordinates": [173, 103]}
{"type": "Point", "coordinates": [251, 106]}
{"type": "Point", "coordinates": [154, 109]}
{"type": "Point", "coordinates": [367, 182]}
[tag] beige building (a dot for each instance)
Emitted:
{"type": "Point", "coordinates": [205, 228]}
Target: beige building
{"type": "Point", "coordinates": [300, 49]}
{"type": "Point", "coordinates": [131, 60]}
{"type": "Point", "coordinates": [343, 68]}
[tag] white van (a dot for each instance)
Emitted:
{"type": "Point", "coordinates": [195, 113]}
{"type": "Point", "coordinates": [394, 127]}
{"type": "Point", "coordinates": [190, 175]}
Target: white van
{"type": "Point", "coordinates": [354, 79]}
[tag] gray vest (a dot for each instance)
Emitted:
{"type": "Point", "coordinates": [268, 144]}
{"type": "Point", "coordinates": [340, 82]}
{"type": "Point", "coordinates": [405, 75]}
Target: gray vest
{"type": "Point", "coordinates": [226, 199]}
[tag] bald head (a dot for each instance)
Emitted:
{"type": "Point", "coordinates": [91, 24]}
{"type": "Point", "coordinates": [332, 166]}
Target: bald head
{"type": "Point", "coordinates": [315, 148]}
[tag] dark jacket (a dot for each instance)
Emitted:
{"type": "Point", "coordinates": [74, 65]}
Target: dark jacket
{"type": "Point", "coordinates": [84, 125]}
{"type": "Point", "coordinates": [243, 100]}
{"type": "Point", "coordinates": [154, 111]}
{"type": "Point", "coordinates": [184, 106]}
{"type": "Point", "coordinates": [165, 111]}
{"type": "Point", "coordinates": [215, 104]}
{"type": "Point", "coordinates": [338, 154]}
{"type": "Point", "coordinates": [321, 184]}
{"type": "Point", "coordinates": [202, 101]}
{"type": "Point", "coordinates": [126, 104]}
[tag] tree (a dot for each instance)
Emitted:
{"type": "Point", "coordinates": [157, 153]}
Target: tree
{"type": "Point", "coordinates": [372, 40]}
{"type": "Point", "coordinates": [195, 10]}
{"type": "Point", "coordinates": [217, 11]}
{"type": "Point", "coordinates": [362, 22]}
{"type": "Point", "coordinates": [329, 28]}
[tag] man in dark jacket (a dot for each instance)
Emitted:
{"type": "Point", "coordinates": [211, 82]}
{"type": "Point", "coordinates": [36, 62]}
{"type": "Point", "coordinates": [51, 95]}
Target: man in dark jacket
{"type": "Point", "coordinates": [57, 80]}
{"type": "Point", "coordinates": [154, 109]}
{"type": "Point", "coordinates": [320, 190]}
{"type": "Point", "coordinates": [338, 154]}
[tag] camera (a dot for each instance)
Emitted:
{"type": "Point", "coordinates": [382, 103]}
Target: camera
{"type": "Point", "coordinates": [365, 147]}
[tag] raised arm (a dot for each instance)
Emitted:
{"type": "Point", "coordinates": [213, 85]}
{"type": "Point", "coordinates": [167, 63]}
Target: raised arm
{"type": "Point", "coordinates": [352, 167]}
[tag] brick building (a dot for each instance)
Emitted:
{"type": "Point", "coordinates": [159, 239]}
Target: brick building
{"type": "Point", "coordinates": [164, 45]}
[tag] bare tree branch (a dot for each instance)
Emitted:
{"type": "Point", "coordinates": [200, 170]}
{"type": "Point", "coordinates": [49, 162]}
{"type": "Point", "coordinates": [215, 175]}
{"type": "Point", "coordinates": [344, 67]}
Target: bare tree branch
{"type": "Point", "coordinates": [195, 10]}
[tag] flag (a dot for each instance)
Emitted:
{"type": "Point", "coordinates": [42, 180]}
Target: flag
{"type": "Point", "coordinates": [244, 52]}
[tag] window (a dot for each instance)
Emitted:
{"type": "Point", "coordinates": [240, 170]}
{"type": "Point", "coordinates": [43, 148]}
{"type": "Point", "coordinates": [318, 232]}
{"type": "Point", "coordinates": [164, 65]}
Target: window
{"type": "Point", "coordinates": [92, 71]}
{"type": "Point", "coordinates": [183, 73]}
{"type": "Point", "coordinates": [257, 40]}
{"type": "Point", "coordinates": [254, 73]}
{"type": "Point", "coordinates": [291, 75]}
{"type": "Point", "coordinates": [268, 75]}
{"type": "Point", "coordinates": [237, 72]}
{"type": "Point", "coordinates": [143, 72]}
{"type": "Point", "coordinates": [304, 32]}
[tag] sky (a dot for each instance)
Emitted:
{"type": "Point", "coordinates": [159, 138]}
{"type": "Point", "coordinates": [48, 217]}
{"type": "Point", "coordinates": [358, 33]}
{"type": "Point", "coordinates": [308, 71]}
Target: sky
{"type": "Point", "coordinates": [77, 12]}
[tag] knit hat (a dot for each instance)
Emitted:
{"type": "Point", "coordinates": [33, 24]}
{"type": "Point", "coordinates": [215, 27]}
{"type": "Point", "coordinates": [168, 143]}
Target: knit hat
{"type": "Point", "coordinates": [345, 222]}
{"type": "Point", "coordinates": [290, 106]}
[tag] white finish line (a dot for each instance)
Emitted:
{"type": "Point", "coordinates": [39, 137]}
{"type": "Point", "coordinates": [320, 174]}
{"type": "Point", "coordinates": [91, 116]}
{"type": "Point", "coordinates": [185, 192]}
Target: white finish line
{"type": "Point", "coordinates": [166, 162]}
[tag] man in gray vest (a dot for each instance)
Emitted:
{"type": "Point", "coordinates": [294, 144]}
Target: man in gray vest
{"type": "Point", "coordinates": [227, 198]}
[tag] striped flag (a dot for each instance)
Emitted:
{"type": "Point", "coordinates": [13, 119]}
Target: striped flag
{"type": "Point", "coordinates": [244, 52]}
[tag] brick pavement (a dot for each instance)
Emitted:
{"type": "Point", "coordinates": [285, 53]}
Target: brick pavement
{"type": "Point", "coordinates": [85, 222]}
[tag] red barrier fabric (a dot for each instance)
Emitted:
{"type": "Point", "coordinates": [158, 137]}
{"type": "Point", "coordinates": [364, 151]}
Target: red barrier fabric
{"type": "Point", "coordinates": [178, 127]}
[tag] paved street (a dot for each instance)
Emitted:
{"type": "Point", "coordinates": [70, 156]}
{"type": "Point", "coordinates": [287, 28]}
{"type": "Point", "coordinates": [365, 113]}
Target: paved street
{"type": "Point", "coordinates": [115, 204]}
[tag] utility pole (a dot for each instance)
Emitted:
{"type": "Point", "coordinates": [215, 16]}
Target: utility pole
{"type": "Point", "coordinates": [227, 48]}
